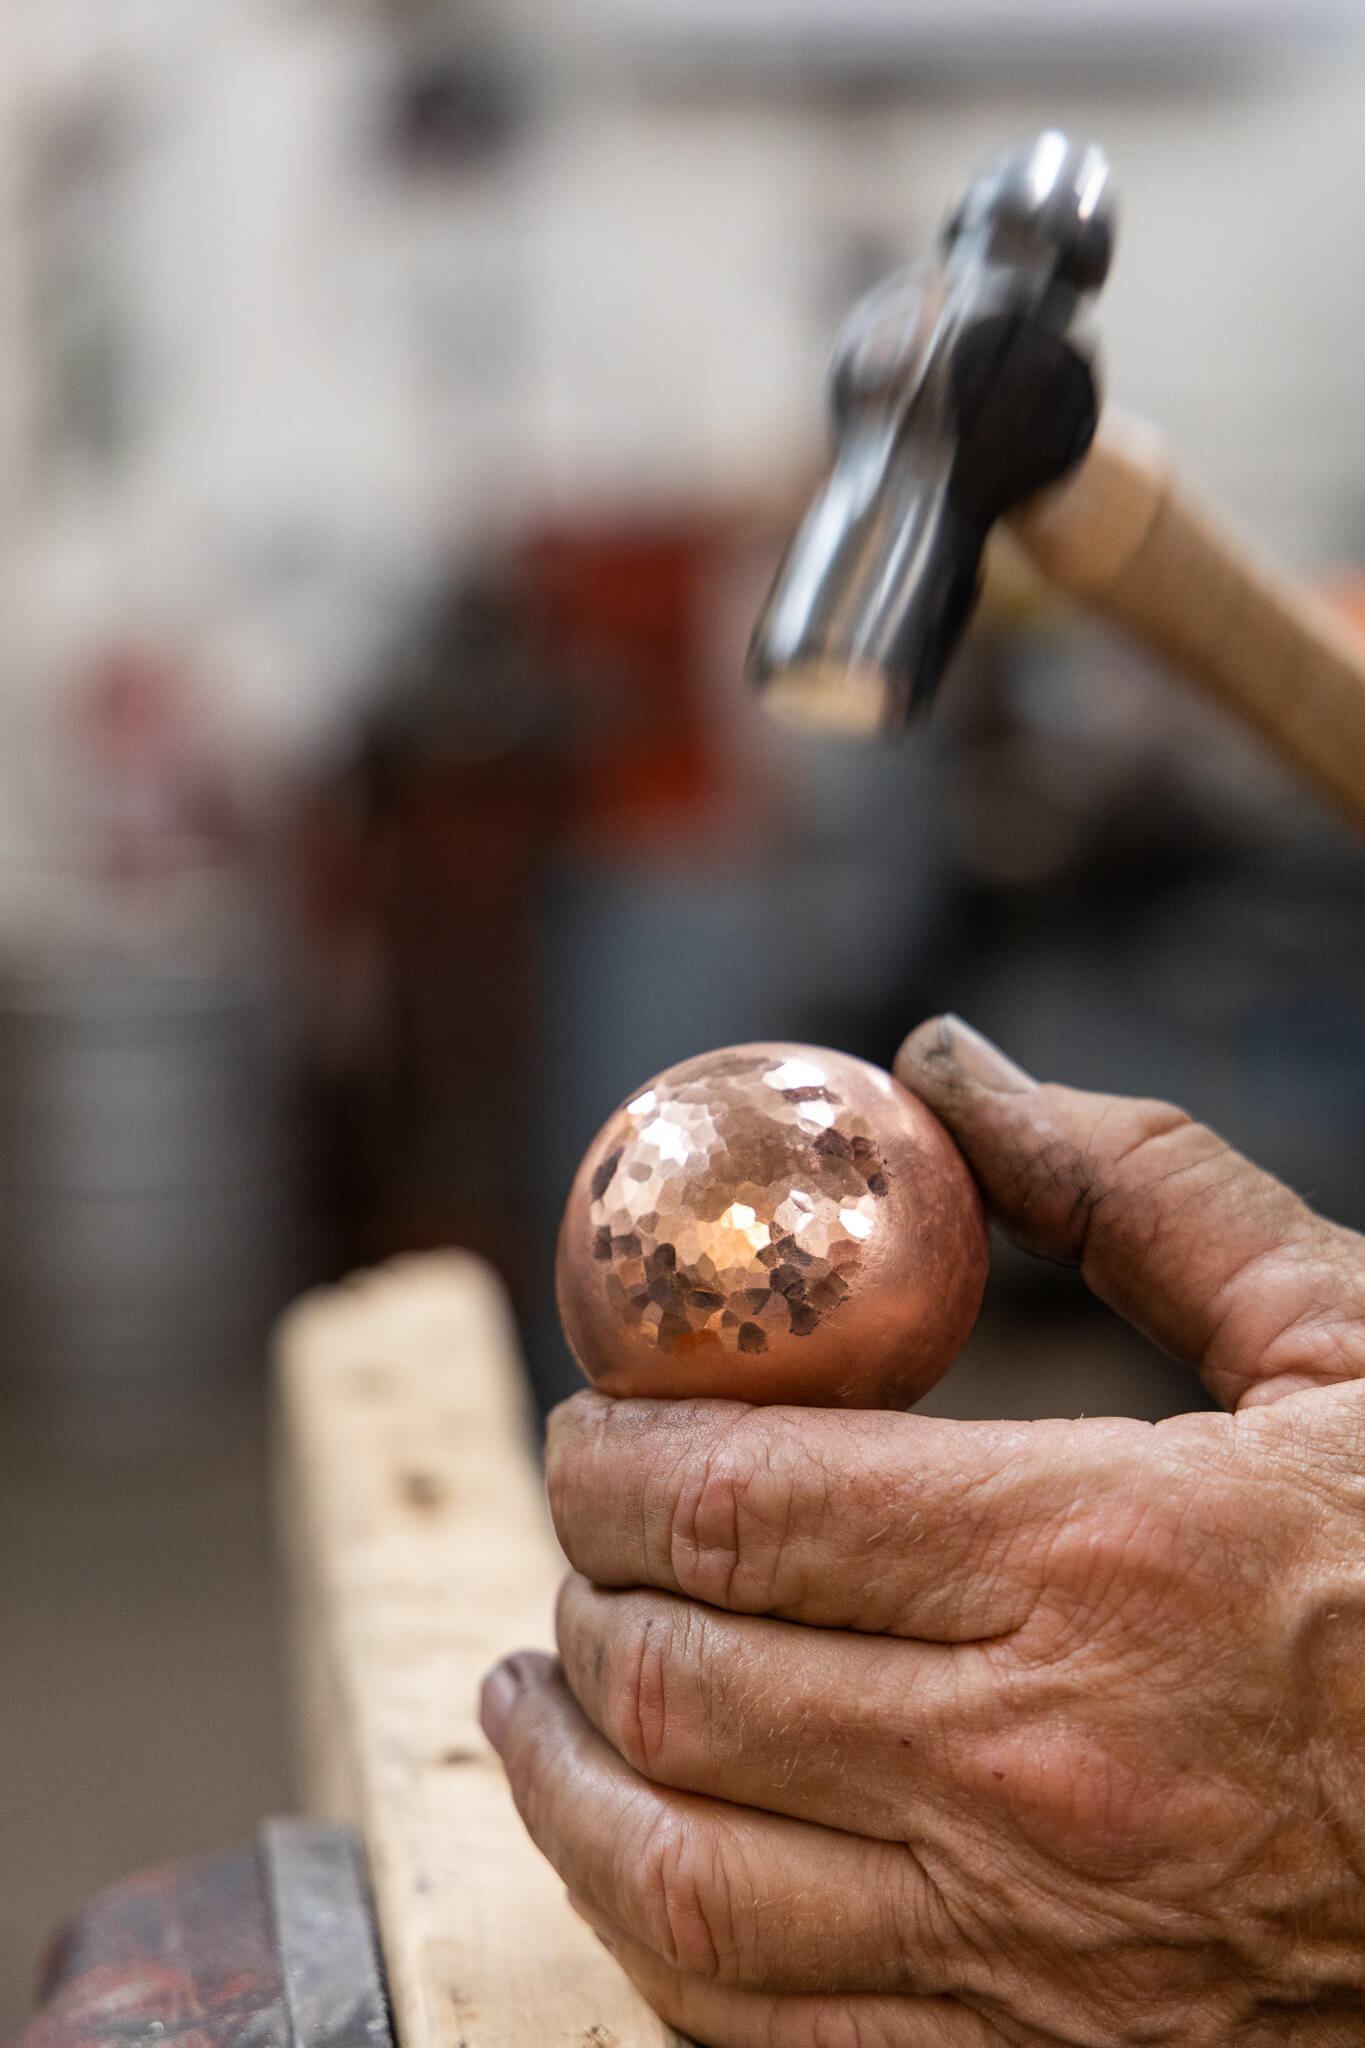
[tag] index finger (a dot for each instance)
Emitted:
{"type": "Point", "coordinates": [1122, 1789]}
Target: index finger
{"type": "Point", "coordinates": [903, 1525]}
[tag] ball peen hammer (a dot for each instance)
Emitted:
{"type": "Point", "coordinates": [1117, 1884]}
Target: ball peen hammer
{"type": "Point", "coordinates": [966, 391]}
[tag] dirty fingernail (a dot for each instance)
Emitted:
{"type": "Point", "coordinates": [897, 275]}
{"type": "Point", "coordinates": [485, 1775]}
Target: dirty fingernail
{"type": "Point", "coordinates": [949, 1042]}
{"type": "Point", "coordinates": [499, 1696]}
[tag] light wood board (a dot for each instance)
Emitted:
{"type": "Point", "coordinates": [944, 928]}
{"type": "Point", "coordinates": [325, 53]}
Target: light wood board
{"type": "Point", "coordinates": [420, 1552]}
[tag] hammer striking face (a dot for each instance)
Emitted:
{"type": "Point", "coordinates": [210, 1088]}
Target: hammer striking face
{"type": "Point", "coordinates": [957, 391]}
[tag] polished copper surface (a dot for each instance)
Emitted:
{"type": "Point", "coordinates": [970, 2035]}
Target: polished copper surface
{"type": "Point", "coordinates": [772, 1223]}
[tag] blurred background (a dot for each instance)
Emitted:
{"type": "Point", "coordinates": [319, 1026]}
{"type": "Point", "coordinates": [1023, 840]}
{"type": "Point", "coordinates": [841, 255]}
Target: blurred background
{"type": "Point", "coordinates": [402, 404]}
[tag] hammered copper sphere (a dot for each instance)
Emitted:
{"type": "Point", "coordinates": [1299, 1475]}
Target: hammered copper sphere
{"type": "Point", "coordinates": [772, 1223]}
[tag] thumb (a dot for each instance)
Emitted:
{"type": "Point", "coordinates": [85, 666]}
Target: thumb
{"type": "Point", "coordinates": [1216, 1261]}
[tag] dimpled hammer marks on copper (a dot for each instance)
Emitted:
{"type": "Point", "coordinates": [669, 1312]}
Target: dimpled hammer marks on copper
{"type": "Point", "coordinates": [775, 1223]}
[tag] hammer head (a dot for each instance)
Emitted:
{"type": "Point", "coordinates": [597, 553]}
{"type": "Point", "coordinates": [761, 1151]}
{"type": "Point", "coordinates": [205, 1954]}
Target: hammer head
{"type": "Point", "coordinates": [957, 391]}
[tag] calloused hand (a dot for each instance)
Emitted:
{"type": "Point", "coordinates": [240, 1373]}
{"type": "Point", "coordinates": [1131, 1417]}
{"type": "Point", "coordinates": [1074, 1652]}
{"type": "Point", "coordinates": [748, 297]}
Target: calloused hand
{"type": "Point", "coordinates": [879, 1731]}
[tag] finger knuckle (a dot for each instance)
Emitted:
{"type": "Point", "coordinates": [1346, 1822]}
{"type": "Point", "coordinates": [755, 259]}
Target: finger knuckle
{"type": "Point", "coordinates": [647, 1715]}
{"type": "Point", "coordinates": [1135, 1555]}
{"type": "Point", "coordinates": [1100, 1563]}
{"type": "Point", "coordinates": [1133, 1128]}
{"type": "Point", "coordinates": [1126, 1147]}
{"type": "Point", "coordinates": [688, 1898]}
{"type": "Point", "coordinates": [1147, 1184]}
{"type": "Point", "coordinates": [840, 2023]}
{"type": "Point", "coordinates": [1081, 1802]}
{"type": "Point", "coordinates": [731, 1523]}
{"type": "Point", "coordinates": [577, 1439]}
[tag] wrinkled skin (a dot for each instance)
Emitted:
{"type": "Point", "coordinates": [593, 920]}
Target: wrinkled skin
{"type": "Point", "coordinates": [878, 1731]}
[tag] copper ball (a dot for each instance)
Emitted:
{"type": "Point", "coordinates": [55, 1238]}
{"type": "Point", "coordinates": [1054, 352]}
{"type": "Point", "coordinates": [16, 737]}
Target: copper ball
{"type": "Point", "coordinates": [772, 1223]}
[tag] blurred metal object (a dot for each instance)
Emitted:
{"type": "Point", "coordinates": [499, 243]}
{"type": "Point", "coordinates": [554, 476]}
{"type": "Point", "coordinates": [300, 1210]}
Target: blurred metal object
{"type": "Point", "coordinates": [142, 1197]}
{"type": "Point", "coordinates": [318, 1880]}
{"type": "Point", "coordinates": [183, 1956]}
{"type": "Point", "coordinates": [958, 391]}
{"type": "Point", "coordinates": [274, 1947]}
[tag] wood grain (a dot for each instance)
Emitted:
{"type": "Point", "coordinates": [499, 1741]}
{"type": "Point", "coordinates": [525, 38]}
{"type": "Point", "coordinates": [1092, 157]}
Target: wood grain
{"type": "Point", "coordinates": [420, 1552]}
{"type": "Point", "coordinates": [1127, 537]}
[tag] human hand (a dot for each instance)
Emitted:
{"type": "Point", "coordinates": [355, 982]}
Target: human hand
{"type": "Point", "coordinates": [880, 1731]}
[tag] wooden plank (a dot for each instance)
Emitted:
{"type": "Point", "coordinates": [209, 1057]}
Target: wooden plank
{"type": "Point", "coordinates": [420, 1551]}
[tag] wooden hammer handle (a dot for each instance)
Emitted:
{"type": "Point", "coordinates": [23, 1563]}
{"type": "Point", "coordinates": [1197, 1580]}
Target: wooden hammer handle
{"type": "Point", "coordinates": [1124, 535]}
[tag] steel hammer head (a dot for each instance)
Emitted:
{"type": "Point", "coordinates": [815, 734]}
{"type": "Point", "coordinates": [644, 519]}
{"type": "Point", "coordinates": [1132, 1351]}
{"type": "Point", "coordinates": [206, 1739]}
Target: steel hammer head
{"type": "Point", "coordinates": [957, 390]}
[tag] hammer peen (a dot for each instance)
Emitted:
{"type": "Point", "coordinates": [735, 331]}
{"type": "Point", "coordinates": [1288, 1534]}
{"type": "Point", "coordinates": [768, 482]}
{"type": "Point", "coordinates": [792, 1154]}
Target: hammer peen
{"type": "Point", "coordinates": [967, 391]}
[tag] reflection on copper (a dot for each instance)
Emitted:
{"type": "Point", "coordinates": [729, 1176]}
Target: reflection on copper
{"type": "Point", "coordinates": [775, 1223]}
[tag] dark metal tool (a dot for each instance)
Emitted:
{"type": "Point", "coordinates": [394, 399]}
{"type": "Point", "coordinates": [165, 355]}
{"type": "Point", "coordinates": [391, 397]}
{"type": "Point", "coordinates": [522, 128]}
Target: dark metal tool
{"type": "Point", "coordinates": [961, 392]}
{"type": "Point", "coordinates": [318, 1883]}
{"type": "Point", "coordinates": [270, 1947]}
{"type": "Point", "coordinates": [958, 391]}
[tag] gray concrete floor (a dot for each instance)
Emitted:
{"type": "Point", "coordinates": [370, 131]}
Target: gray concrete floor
{"type": "Point", "coordinates": [140, 1693]}
{"type": "Point", "coordinates": [141, 1709]}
